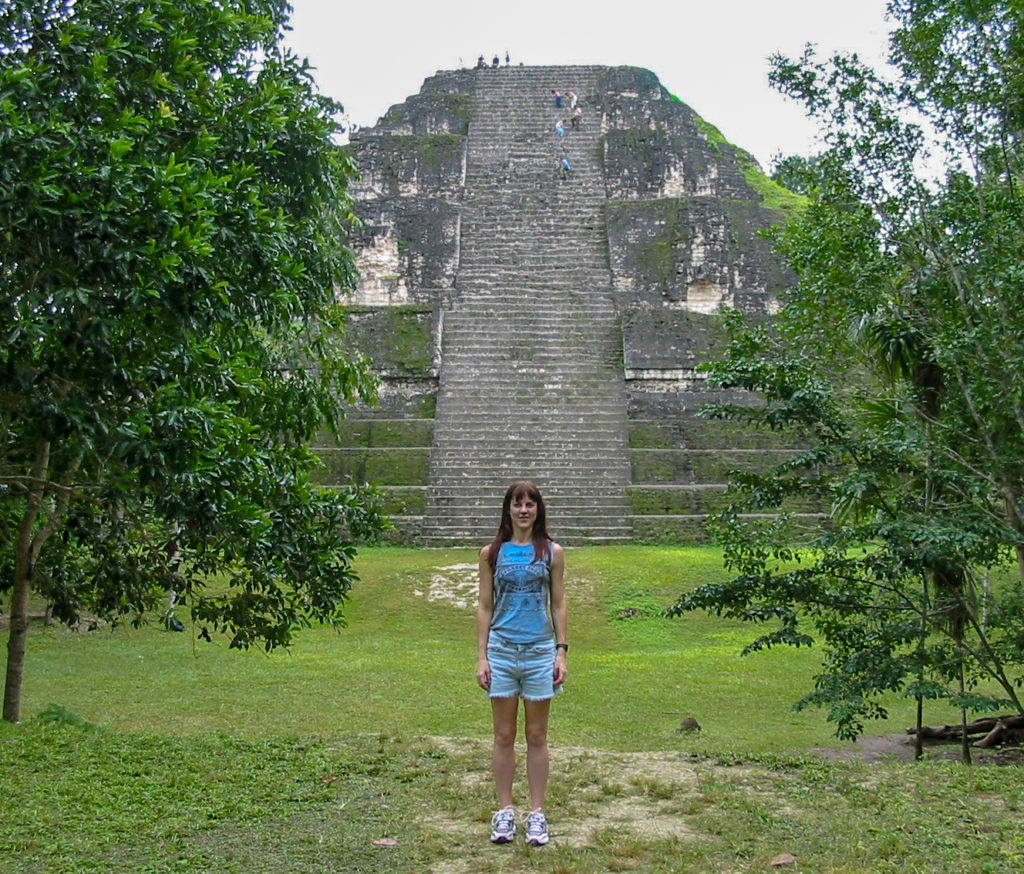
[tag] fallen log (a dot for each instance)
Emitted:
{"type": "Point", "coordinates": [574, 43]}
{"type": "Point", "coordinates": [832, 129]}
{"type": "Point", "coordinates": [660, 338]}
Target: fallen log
{"type": "Point", "coordinates": [995, 730]}
{"type": "Point", "coordinates": [1006, 728]}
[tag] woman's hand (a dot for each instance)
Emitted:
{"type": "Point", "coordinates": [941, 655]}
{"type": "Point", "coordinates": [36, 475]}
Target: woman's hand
{"type": "Point", "coordinates": [483, 673]}
{"type": "Point", "coordinates": [561, 670]}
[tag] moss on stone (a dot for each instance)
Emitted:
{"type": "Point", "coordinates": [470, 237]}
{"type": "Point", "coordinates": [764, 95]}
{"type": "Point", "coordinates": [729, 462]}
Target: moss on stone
{"type": "Point", "coordinates": [660, 466]}
{"type": "Point", "coordinates": [691, 500]}
{"type": "Point", "coordinates": [432, 149]}
{"type": "Point", "coordinates": [655, 256]}
{"type": "Point", "coordinates": [669, 529]}
{"type": "Point", "coordinates": [438, 149]}
{"type": "Point", "coordinates": [697, 466]}
{"type": "Point", "coordinates": [399, 340]}
{"type": "Point", "coordinates": [407, 532]}
{"type": "Point", "coordinates": [773, 195]}
{"type": "Point", "coordinates": [644, 146]}
{"type": "Point", "coordinates": [411, 347]}
{"type": "Point", "coordinates": [683, 500]}
{"type": "Point", "coordinates": [650, 435]}
{"type": "Point", "coordinates": [700, 433]}
{"type": "Point", "coordinates": [403, 500]}
{"type": "Point", "coordinates": [655, 259]}
{"type": "Point", "coordinates": [379, 433]}
{"type": "Point", "coordinates": [671, 338]}
{"type": "Point", "coordinates": [459, 105]}
{"type": "Point", "coordinates": [389, 466]}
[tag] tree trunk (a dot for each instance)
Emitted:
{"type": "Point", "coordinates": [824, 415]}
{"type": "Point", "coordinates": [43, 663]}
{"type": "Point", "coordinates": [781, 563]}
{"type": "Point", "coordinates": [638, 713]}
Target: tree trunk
{"type": "Point", "coordinates": [16, 645]}
{"type": "Point", "coordinates": [965, 743]}
{"type": "Point", "coordinates": [918, 734]}
{"type": "Point", "coordinates": [24, 570]}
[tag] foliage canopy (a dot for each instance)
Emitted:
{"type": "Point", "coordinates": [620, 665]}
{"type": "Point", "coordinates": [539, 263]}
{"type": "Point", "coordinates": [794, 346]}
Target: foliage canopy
{"type": "Point", "coordinates": [899, 357]}
{"type": "Point", "coordinates": [172, 231]}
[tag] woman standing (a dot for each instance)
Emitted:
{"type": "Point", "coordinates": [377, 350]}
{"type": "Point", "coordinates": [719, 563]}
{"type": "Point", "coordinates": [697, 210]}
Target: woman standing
{"type": "Point", "coordinates": [521, 649]}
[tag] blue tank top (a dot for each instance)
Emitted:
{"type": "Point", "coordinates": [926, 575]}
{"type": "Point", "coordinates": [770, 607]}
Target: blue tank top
{"type": "Point", "coordinates": [522, 593]}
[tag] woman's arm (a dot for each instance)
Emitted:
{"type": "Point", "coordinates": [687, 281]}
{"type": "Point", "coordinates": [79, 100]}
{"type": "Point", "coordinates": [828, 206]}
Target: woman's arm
{"type": "Point", "coordinates": [484, 614]}
{"type": "Point", "coordinates": [559, 617]}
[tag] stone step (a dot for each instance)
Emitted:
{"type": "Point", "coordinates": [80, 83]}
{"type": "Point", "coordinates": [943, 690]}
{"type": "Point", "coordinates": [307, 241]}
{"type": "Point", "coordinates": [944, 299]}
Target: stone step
{"type": "Point", "coordinates": [479, 504]}
{"type": "Point", "coordinates": [592, 480]}
{"type": "Point", "coordinates": [532, 337]}
{"type": "Point", "coordinates": [570, 461]}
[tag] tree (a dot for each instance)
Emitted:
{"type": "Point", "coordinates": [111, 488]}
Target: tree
{"type": "Point", "coordinates": [796, 172]}
{"type": "Point", "coordinates": [898, 357]}
{"type": "Point", "coordinates": [172, 226]}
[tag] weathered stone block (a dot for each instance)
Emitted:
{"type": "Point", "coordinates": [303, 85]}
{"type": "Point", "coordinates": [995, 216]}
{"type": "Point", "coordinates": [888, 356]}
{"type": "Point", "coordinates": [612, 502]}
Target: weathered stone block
{"type": "Point", "coordinates": [429, 115]}
{"type": "Point", "coordinates": [692, 432]}
{"type": "Point", "coordinates": [405, 251]}
{"type": "Point", "coordinates": [393, 166]}
{"type": "Point", "coordinates": [398, 340]}
{"type": "Point", "coordinates": [681, 501]}
{"type": "Point", "coordinates": [658, 338]}
{"type": "Point", "coordinates": [696, 466]}
{"type": "Point", "coordinates": [697, 254]}
{"type": "Point", "coordinates": [403, 500]}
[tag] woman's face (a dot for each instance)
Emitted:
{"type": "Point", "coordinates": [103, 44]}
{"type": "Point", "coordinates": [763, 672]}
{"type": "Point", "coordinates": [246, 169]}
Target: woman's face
{"type": "Point", "coordinates": [523, 510]}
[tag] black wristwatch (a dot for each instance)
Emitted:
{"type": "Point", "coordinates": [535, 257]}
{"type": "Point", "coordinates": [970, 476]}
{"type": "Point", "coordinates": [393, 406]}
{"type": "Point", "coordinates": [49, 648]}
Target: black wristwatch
{"type": "Point", "coordinates": [564, 646]}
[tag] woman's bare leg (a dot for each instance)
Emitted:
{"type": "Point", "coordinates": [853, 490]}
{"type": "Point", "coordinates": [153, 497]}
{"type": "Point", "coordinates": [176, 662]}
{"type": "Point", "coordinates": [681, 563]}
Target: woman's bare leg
{"type": "Point", "coordinates": [505, 712]}
{"type": "Point", "coordinates": [537, 759]}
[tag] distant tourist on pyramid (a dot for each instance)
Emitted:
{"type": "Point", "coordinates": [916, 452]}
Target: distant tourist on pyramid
{"type": "Point", "coordinates": [577, 117]}
{"type": "Point", "coordinates": [560, 127]}
{"type": "Point", "coordinates": [572, 99]}
{"type": "Point", "coordinates": [558, 98]}
{"type": "Point", "coordinates": [565, 168]}
{"type": "Point", "coordinates": [481, 63]}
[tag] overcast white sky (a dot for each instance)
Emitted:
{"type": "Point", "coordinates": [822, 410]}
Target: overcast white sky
{"type": "Point", "coordinates": [712, 55]}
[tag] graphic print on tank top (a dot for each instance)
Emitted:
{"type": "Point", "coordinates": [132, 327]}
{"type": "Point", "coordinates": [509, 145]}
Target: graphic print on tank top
{"type": "Point", "coordinates": [521, 588]}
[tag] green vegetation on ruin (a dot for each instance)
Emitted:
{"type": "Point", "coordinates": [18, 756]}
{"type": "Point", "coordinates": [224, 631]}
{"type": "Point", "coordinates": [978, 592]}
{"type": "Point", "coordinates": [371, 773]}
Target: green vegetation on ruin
{"type": "Point", "coordinates": [773, 195]}
{"type": "Point", "coordinates": [398, 339]}
{"type": "Point", "coordinates": [395, 465]}
{"type": "Point", "coordinates": [378, 433]}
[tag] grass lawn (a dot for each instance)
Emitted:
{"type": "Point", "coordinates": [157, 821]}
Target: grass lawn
{"type": "Point", "coordinates": [204, 759]}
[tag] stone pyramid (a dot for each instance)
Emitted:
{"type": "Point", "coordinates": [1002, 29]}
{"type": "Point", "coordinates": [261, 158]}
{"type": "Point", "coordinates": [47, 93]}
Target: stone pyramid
{"type": "Point", "coordinates": [531, 319]}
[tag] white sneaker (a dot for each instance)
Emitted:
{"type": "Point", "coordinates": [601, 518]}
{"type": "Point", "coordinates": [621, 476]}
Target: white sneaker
{"type": "Point", "coordinates": [503, 826]}
{"type": "Point", "coordinates": [536, 828]}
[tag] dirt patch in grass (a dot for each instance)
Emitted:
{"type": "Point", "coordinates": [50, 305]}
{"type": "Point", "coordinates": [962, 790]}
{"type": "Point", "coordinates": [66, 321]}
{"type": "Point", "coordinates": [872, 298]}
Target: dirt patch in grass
{"type": "Point", "coordinates": [880, 747]}
{"type": "Point", "coordinates": [593, 795]}
{"type": "Point", "coordinates": [897, 747]}
{"type": "Point", "coordinates": [454, 584]}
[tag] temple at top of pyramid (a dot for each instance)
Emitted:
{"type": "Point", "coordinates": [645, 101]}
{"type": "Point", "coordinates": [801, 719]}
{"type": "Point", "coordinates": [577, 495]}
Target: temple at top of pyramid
{"type": "Point", "coordinates": [544, 257]}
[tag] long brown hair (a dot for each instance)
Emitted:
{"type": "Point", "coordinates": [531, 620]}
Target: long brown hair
{"type": "Point", "coordinates": [517, 491]}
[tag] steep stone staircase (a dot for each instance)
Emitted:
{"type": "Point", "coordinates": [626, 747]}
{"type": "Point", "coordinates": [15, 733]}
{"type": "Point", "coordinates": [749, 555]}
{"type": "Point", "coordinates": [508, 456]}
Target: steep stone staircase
{"type": "Point", "coordinates": [531, 380]}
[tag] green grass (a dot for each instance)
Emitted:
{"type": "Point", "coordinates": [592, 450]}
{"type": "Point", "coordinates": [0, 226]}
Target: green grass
{"type": "Point", "coordinates": [405, 664]}
{"type": "Point", "coordinates": [204, 759]}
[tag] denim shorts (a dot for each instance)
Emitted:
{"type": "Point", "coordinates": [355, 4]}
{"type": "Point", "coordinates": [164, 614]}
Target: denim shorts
{"type": "Point", "coordinates": [524, 669]}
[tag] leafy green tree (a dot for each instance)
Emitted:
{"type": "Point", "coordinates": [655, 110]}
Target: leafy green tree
{"type": "Point", "coordinates": [899, 357]}
{"type": "Point", "coordinates": [172, 232]}
{"type": "Point", "coordinates": [796, 172]}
